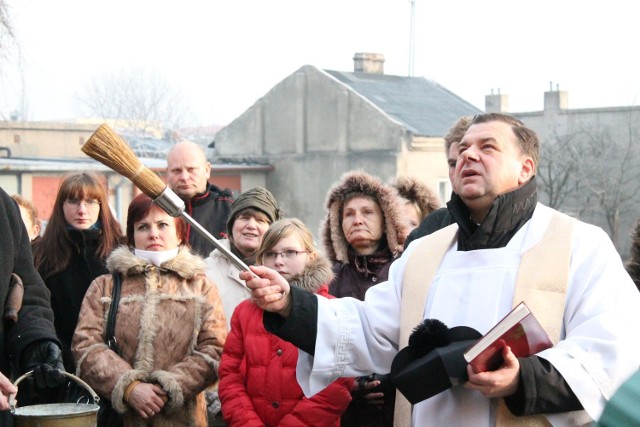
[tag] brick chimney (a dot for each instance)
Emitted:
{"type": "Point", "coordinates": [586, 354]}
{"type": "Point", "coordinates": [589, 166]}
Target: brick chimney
{"type": "Point", "coordinates": [372, 63]}
{"type": "Point", "coordinates": [496, 103]}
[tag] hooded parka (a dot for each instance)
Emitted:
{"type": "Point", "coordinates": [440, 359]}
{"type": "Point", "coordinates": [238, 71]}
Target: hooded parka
{"type": "Point", "coordinates": [357, 273]}
{"type": "Point", "coordinates": [170, 330]}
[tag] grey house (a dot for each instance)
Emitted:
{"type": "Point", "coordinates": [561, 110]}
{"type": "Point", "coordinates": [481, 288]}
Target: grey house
{"type": "Point", "coordinates": [317, 124]}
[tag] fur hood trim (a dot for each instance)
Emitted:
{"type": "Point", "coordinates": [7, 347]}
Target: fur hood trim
{"type": "Point", "coordinates": [317, 273]}
{"type": "Point", "coordinates": [335, 244]}
{"type": "Point", "coordinates": [185, 264]}
{"type": "Point", "coordinates": [417, 192]}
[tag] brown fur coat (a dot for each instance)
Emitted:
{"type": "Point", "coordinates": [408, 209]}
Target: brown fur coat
{"type": "Point", "coordinates": [170, 330]}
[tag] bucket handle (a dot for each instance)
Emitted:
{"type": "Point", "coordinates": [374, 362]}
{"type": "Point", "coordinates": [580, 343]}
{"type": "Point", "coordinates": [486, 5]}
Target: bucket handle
{"type": "Point", "coordinates": [94, 396]}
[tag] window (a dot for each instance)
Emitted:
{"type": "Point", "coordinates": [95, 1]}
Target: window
{"type": "Point", "coordinates": [444, 189]}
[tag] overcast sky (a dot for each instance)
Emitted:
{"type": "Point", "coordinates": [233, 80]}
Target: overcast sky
{"type": "Point", "coordinates": [223, 55]}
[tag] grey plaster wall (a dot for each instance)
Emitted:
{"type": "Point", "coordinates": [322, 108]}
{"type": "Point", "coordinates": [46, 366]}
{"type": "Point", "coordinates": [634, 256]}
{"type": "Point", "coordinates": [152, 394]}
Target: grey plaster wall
{"type": "Point", "coordinates": [312, 129]}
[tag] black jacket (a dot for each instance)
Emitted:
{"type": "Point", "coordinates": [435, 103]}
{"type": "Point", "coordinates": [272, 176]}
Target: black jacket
{"type": "Point", "coordinates": [436, 220]}
{"type": "Point", "coordinates": [35, 319]}
{"type": "Point", "coordinates": [211, 210]}
{"type": "Point", "coordinates": [68, 287]}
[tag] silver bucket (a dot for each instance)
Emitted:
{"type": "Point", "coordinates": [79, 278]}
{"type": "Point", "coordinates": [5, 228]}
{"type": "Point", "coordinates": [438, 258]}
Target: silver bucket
{"type": "Point", "coordinates": [56, 414]}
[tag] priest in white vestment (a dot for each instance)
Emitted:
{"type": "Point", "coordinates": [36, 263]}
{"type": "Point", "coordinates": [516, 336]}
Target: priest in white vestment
{"type": "Point", "coordinates": [498, 220]}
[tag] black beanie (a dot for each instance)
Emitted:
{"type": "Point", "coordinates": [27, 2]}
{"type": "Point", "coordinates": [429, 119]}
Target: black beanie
{"type": "Point", "coordinates": [257, 198]}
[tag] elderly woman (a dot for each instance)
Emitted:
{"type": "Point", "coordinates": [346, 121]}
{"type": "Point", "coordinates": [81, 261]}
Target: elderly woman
{"type": "Point", "coordinates": [250, 217]}
{"type": "Point", "coordinates": [363, 233]}
{"type": "Point", "coordinates": [169, 326]}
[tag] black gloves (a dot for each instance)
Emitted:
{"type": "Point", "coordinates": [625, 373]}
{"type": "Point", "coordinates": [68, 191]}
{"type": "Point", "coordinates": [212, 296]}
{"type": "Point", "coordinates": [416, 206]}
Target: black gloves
{"type": "Point", "coordinates": [44, 358]}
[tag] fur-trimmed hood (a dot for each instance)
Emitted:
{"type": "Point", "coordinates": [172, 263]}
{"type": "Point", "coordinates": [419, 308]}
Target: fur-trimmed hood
{"type": "Point", "coordinates": [317, 273]}
{"type": "Point", "coordinates": [333, 239]}
{"type": "Point", "coordinates": [185, 264]}
{"type": "Point", "coordinates": [417, 192]}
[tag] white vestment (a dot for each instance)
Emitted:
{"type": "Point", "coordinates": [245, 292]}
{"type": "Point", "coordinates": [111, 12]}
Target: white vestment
{"type": "Point", "coordinates": [599, 345]}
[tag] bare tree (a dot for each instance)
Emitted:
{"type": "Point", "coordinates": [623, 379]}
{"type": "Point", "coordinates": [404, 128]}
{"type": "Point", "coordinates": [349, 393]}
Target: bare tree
{"type": "Point", "coordinates": [9, 55]}
{"type": "Point", "coordinates": [557, 171]}
{"type": "Point", "coordinates": [614, 173]}
{"type": "Point", "coordinates": [138, 99]}
{"type": "Point", "coordinates": [7, 36]}
{"type": "Point", "coordinates": [593, 173]}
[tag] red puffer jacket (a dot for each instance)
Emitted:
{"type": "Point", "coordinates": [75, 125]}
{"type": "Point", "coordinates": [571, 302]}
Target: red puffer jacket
{"type": "Point", "coordinates": [258, 385]}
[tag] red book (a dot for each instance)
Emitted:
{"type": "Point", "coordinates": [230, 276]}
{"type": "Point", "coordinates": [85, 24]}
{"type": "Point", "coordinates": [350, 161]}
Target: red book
{"type": "Point", "coordinates": [519, 330]}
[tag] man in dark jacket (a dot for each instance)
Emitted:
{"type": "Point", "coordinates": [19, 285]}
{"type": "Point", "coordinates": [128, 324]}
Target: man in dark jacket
{"type": "Point", "coordinates": [188, 172]}
{"type": "Point", "coordinates": [440, 218]}
{"type": "Point", "coordinates": [29, 343]}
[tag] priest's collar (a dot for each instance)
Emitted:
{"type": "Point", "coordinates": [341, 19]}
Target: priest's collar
{"type": "Point", "coordinates": [509, 212]}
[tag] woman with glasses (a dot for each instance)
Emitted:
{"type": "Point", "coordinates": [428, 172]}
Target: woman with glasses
{"type": "Point", "coordinates": [251, 214]}
{"type": "Point", "coordinates": [258, 384]}
{"type": "Point", "coordinates": [81, 233]}
{"type": "Point", "coordinates": [363, 232]}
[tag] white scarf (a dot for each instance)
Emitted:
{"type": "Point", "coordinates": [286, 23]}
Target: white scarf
{"type": "Point", "coordinates": [156, 258]}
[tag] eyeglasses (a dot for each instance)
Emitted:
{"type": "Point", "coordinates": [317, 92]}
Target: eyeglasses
{"type": "Point", "coordinates": [89, 203]}
{"type": "Point", "coordinates": [290, 254]}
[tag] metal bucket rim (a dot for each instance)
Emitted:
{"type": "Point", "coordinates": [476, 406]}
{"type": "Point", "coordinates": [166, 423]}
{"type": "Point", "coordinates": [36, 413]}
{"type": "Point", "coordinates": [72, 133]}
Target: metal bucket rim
{"type": "Point", "coordinates": [91, 407]}
{"type": "Point", "coordinates": [48, 410]}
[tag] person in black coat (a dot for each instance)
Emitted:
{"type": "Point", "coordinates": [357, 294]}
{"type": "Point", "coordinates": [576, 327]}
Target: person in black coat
{"type": "Point", "coordinates": [188, 173]}
{"type": "Point", "coordinates": [441, 218]}
{"type": "Point", "coordinates": [29, 342]}
{"type": "Point", "coordinates": [73, 250]}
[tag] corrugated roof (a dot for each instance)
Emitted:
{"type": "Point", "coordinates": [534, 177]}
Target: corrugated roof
{"type": "Point", "coordinates": [423, 106]}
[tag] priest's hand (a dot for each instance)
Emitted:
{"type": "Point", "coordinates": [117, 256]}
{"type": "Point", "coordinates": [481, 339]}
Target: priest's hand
{"type": "Point", "coordinates": [499, 383]}
{"type": "Point", "coordinates": [269, 289]}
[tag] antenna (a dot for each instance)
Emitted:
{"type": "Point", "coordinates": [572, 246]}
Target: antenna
{"type": "Point", "coordinates": [412, 36]}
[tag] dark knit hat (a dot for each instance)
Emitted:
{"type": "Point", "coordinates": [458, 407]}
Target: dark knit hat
{"type": "Point", "coordinates": [257, 198]}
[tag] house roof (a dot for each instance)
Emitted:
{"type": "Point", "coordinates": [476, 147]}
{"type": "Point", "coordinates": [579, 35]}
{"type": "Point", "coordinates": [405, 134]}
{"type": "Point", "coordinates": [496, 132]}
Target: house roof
{"type": "Point", "coordinates": [422, 105]}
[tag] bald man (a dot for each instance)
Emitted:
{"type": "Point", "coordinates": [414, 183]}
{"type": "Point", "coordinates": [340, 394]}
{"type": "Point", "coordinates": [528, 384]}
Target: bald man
{"type": "Point", "coordinates": [188, 172]}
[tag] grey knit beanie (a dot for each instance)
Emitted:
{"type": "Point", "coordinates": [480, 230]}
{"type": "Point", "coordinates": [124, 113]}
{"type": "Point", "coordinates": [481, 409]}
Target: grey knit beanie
{"type": "Point", "coordinates": [257, 198]}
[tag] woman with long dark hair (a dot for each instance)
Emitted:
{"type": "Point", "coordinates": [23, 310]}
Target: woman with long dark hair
{"type": "Point", "coordinates": [79, 237]}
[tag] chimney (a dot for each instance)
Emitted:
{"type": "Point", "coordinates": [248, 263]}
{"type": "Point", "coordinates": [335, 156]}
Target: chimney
{"type": "Point", "coordinates": [556, 99]}
{"type": "Point", "coordinates": [372, 63]}
{"type": "Point", "coordinates": [496, 103]}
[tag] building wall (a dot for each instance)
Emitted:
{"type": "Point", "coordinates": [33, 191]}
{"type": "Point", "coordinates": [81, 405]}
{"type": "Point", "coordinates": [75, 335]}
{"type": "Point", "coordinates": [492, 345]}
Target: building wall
{"type": "Point", "coordinates": [312, 129]}
{"type": "Point", "coordinates": [43, 139]}
{"type": "Point", "coordinates": [557, 121]}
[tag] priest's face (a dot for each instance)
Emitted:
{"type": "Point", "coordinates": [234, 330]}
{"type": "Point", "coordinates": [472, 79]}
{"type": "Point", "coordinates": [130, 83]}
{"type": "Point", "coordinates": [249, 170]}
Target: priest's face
{"type": "Point", "coordinates": [490, 163]}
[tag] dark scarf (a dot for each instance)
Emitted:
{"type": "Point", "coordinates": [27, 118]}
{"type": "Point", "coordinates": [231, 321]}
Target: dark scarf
{"type": "Point", "coordinates": [371, 264]}
{"type": "Point", "coordinates": [509, 212]}
{"type": "Point", "coordinates": [247, 260]}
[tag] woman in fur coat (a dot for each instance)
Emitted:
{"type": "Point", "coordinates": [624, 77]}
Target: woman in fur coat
{"type": "Point", "coordinates": [170, 327]}
{"type": "Point", "coordinates": [258, 385]}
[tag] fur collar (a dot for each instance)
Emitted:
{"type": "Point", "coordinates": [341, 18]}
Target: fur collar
{"type": "Point", "coordinates": [317, 273]}
{"type": "Point", "coordinates": [185, 264]}
{"type": "Point", "coordinates": [335, 244]}
{"type": "Point", "coordinates": [417, 192]}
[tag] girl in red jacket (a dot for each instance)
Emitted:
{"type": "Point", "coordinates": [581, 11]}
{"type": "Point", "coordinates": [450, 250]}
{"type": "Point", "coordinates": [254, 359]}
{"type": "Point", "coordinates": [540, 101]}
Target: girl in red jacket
{"type": "Point", "coordinates": [258, 384]}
